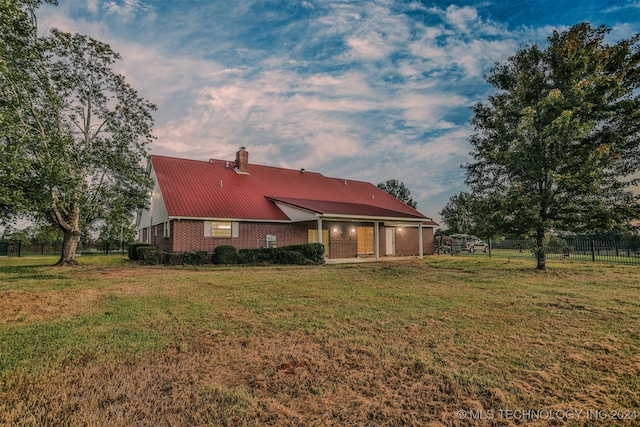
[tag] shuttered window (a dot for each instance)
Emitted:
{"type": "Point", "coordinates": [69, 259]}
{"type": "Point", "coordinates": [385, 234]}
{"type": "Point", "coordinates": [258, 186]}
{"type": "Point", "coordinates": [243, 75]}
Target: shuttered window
{"type": "Point", "coordinates": [221, 229]}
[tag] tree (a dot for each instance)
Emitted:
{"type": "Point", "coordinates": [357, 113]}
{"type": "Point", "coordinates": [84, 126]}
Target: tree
{"type": "Point", "coordinates": [556, 146]}
{"type": "Point", "coordinates": [458, 214]}
{"type": "Point", "coordinates": [73, 133]}
{"type": "Point", "coordinates": [398, 190]}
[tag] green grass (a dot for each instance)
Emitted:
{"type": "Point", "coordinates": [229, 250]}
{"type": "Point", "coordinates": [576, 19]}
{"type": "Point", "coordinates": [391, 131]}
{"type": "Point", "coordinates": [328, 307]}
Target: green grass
{"type": "Point", "coordinates": [393, 343]}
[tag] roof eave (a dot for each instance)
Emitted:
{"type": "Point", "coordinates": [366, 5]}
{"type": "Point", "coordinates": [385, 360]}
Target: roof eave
{"type": "Point", "coordinates": [204, 218]}
{"type": "Point", "coordinates": [329, 216]}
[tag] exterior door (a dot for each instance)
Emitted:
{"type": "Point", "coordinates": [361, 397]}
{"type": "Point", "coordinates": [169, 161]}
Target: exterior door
{"type": "Point", "coordinates": [365, 240]}
{"type": "Point", "coordinates": [313, 238]}
{"type": "Point", "coordinates": [390, 240]}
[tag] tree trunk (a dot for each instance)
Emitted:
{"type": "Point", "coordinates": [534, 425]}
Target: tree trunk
{"type": "Point", "coordinates": [69, 245]}
{"type": "Point", "coordinates": [540, 253]}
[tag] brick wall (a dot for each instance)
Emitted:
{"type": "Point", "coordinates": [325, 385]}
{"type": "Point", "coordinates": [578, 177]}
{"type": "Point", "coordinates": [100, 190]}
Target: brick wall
{"type": "Point", "coordinates": [164, 243]}
{"type": "Point", "coordinates": [189, 235]}
{"type": "Point", "coordinates": [343, 243]}
{"type": "Point", "coordinates": [407, 241]}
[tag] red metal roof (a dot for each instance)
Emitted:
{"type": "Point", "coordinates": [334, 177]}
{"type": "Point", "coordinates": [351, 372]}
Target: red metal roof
{"type": "Point", "coordinates": [213, 189]}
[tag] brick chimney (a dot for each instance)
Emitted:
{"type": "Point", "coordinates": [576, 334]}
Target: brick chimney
{"type": "Point", "coordinates": [242, 161]}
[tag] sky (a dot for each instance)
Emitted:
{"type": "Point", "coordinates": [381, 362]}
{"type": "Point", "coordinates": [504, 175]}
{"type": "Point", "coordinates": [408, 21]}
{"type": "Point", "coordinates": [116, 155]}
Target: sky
{"type": "Point", "coordinates": [367, 90]}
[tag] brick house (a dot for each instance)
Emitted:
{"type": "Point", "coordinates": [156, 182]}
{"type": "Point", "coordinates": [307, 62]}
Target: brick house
{"type": "Point", "coordinates": [199, 205]}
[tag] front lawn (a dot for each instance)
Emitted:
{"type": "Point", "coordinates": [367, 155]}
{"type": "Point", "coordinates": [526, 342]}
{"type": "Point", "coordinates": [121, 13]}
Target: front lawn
{"type": "Point", "coordinates": [390, 343]}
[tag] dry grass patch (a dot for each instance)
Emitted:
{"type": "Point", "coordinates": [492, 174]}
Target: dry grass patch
{"type": "Point", "coordinates": [25, 307]}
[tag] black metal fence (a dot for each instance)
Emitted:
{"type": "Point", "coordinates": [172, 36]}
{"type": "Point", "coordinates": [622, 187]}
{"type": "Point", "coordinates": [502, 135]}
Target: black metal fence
{"type": "Point", "coordinates": [617, 252]}
{"type": "Point", "coordinates": [19, 249]}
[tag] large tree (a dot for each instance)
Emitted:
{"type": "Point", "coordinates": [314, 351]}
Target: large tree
{"type": "Point", "coordinates": [557, 145]}
{"type": "Point", "coordinates": [73, 133]}
{"type": "Point", "coordinates": [398, 190]}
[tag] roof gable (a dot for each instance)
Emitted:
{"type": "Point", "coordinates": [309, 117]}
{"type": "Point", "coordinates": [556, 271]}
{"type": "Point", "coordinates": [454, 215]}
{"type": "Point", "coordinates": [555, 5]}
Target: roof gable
{"type": "Point", "coordinates": [213, 189]}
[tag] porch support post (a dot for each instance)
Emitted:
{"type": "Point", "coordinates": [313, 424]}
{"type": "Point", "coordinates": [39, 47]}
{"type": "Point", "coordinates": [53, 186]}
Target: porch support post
{"type": "Point", "coordinates": [421, 249]}
{"type": "Point", "coordinates": [376, 239]}
{"type": "Point", "coordinates": [320, 231]}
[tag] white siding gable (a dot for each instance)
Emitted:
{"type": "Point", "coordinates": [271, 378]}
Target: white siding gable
{"type": "Point", "coordinates": [296, 214]}
{"type": "Point", "coordinates": [157, 209]}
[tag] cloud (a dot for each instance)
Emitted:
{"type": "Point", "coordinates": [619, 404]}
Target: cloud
{"type": "Point", "coordinates": [367, 90]}
{"type": "Point", "coordinates": [92, 6]}
{"type": "Point", "coordinates": [125, 9]}
{"type": "Point", "coordinates": [461, 17]}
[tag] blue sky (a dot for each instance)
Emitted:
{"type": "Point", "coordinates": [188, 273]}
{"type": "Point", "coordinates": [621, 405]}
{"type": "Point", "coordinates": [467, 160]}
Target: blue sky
{"type": "Point", "coordinates": [367, 90]}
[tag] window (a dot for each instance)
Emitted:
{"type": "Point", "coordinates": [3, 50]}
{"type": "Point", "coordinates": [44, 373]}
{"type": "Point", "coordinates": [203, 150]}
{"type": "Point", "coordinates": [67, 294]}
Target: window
{"type": "Point", "coordinates": [220, 229]}
{"type": "Point", "coordinates": [167, 229]}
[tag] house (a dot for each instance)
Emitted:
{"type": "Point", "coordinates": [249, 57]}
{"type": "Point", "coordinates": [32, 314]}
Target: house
{"type": "Point", "coordinates": [199, 205]}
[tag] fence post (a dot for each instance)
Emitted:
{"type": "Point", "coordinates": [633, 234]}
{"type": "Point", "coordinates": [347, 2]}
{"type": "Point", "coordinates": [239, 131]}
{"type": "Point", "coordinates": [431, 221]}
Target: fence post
{"type": "Point", "coordinates": [42, 249]}
{"type": "Point", "coordinates": [593, 251]}
{"type": "Point", "coordinates": [106, 248]}
{"type": "Point", "coordinates": [489, 247]}
{"type": "Point", "coordinates": [19, 248]}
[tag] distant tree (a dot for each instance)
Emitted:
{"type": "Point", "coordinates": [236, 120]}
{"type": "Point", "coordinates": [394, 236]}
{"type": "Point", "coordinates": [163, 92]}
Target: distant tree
{"type": "Point", "coordinates": [34, 234]}
{"type": "Point", "coordinates": [117, 227]}
{"type": "Point", "coordinates": [73, 133]}
{"type": "Point", "coordinates": [398, 190]}
{"type": "Point", "coordinates": [556, 146]}
{"type": "Point", "coordinates": [14, 234]}
{"type": "Point", "coordinates": [458, 214]}
{"type": "Point", "coordinates": [468, 214]}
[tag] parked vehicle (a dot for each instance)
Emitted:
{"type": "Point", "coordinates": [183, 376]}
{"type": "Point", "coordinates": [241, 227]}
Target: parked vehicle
{"type": "Point", "coordinates": [469, 242]}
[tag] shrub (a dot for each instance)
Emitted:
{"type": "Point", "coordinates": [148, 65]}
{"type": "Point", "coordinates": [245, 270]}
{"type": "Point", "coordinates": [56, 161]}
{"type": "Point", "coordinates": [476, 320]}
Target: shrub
{"type": "Point", "coordinates": [256, 256]}
{"type": "Point", "coordinates": [186, 258]}
{"type": "Point", "coordinates": [195, 257]}
{"type": "Point", "coordinates": [314, 252]}
{"type": "Point", "coordinates": [149, 254]}
{"type": "Point", "coordinates": [290, 258]}
{"type": "Point", "coordinates": [225, 254]}
{"type": "Point", "coordinates": [133, 250]}
{"type": "Point", "coordinates": [310, 253]}
{"type": "Point", "coordinates": [173, 258]}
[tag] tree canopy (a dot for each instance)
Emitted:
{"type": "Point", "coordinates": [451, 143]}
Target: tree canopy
{"type": "Point", "coordinates": [398, 190]}
{"type": "Point", "coordinates": [73, 133]}
{"type": "Point", "coordinates": [556, 146]}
